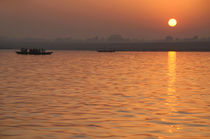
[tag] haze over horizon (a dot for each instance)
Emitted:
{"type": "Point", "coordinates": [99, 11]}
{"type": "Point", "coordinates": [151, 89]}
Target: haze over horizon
{"type": "Point", "coordinates": [87, 18]}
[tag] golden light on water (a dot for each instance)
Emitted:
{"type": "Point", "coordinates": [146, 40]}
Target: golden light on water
{"type": "Point", "coordinates": [171, 80]}
{"type": "Point", "coordinates": [133, 95]}
{"type": "Point", "coordinates": [172, 22]}
{"type": "Point", "coordinates": [171, 99]}
{"type": "Point", "coordinates": [171, 70]}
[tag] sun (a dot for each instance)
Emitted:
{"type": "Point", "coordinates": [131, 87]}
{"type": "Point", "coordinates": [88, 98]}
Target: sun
{"type": "Point", "coordinates": [172, 22]}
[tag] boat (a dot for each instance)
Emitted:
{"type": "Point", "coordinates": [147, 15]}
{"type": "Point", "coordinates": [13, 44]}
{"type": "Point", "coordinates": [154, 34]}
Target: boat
{"type": "Point", "coordinates": [106, 50]}
{"type": "Point", "coordinates": [34, 51]}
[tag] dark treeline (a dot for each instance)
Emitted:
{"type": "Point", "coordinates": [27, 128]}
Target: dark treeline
{"type": "Point", "coordinates": [128, 46]}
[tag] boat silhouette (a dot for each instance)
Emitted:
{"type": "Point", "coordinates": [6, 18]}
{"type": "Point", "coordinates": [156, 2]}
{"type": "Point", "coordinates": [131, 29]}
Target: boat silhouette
{"type": "Point", "coordinates": [34, 51]}
{"type": "Point", "coordinates": [106, 50]}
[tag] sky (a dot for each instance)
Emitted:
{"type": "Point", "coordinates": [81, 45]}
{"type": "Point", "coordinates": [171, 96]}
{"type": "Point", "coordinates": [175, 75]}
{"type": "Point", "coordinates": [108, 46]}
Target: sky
{"type": "Point", "coordinates": [146, 19]}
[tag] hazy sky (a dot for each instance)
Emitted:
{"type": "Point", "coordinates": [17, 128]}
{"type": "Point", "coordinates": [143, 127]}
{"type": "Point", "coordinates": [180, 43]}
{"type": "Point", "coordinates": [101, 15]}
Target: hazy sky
{"type": "Point", "coordinates": [87, 18]}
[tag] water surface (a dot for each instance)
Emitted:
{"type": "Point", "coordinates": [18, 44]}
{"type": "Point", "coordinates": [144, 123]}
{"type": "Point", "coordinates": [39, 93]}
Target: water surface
{"type": "Point", "coordinates": [78, 94]}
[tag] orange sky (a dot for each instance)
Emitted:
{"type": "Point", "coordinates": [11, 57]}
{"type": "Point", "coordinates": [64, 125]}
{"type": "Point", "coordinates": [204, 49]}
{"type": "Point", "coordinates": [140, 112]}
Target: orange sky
{"type": "Point", "coordinates": [86, 18]}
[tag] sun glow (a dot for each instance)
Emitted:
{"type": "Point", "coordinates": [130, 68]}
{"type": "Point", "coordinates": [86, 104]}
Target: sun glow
{"type": "Point", "coordinates": [172, 22]}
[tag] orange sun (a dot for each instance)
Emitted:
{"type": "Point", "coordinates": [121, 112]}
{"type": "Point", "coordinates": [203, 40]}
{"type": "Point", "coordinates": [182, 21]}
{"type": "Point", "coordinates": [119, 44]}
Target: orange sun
{"type": "Point", "coordinates": [172, 22]}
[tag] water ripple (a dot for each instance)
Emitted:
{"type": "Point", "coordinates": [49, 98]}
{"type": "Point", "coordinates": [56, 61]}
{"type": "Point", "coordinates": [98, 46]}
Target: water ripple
{"type": "Point", "coordinates": [96, 95]}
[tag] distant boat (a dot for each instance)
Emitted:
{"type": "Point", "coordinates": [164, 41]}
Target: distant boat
{"type": "Point", "coordinates": [106, 50]}
{"type": "Point", "coordinates": [33, 51]}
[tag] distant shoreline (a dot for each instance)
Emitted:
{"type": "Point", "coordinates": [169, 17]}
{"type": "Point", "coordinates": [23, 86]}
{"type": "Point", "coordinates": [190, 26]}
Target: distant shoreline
{"type": "Point", "coordinates": [188, 46]}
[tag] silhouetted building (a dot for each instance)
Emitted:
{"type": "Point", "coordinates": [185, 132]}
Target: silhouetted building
{"type": "Point", "coordinates": [169, 38]}
{"type": "Point", "coordinates": [116, 38]}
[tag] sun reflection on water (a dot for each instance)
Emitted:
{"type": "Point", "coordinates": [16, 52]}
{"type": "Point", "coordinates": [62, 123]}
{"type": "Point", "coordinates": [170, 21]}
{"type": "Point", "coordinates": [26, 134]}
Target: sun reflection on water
{"type": "Point", "coordinates": [171, 71]}
{"type": "Point", "coordinates": [171, 94]}
{"type": "Point", "coordinates": [171, 79]}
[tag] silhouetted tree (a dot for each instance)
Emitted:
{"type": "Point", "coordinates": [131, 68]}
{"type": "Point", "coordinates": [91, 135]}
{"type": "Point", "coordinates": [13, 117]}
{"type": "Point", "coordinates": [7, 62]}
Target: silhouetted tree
{"type": "Point", "coordinates": [195, 38]}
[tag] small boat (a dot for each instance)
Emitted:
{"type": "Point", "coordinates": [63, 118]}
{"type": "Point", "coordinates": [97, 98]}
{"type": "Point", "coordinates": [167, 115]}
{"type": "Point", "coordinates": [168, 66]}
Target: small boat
{"type": "Point", "coordinates": [34, 51]}
{"type": "Point", "coordinates": [106, 50]}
